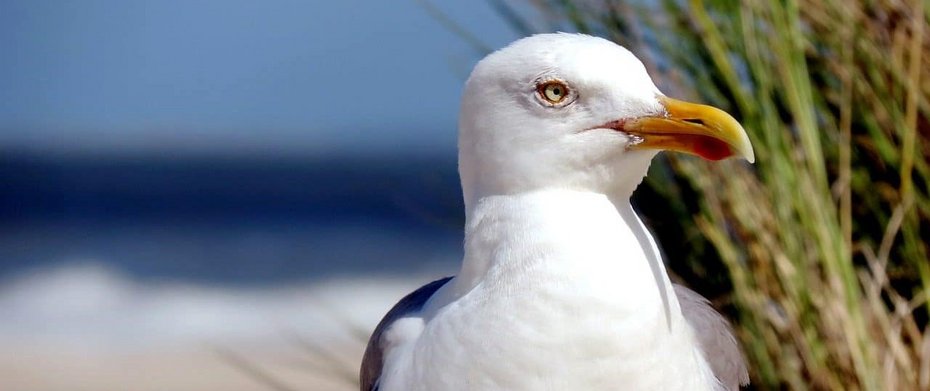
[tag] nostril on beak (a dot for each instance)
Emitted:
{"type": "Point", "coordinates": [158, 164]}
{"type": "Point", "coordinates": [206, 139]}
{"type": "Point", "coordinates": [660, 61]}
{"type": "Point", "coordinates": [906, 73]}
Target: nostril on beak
{"type": "Point", "coordinates": [696, 121]}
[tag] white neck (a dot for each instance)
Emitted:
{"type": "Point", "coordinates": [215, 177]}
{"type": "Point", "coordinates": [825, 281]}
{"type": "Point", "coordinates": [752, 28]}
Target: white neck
{"type": "Point", "coordinates": [578, 237]}
{"type": "Point", "coordinates": [572, 274]}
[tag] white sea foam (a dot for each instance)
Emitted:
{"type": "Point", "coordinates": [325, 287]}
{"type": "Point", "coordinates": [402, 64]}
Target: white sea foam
{"type": "Point", "coordinates": [90, 306]}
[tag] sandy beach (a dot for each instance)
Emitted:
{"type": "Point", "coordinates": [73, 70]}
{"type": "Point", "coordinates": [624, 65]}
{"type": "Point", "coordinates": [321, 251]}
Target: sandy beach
{"type": "Point", "coordinates": [89, 328]}
{"type": "Point", "coordinates": [179, 369]}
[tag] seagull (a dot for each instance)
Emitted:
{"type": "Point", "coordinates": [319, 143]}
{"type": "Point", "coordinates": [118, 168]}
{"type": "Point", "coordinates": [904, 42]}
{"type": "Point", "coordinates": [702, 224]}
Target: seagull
{"type": "Point", "coordinates": [561, 286]}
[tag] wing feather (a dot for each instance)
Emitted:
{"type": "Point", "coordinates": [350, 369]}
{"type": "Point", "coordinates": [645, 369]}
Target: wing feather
{"type": "Point", "coordinates": [373, 361]}
{"type": "Point", "coordinates": [716, 337]}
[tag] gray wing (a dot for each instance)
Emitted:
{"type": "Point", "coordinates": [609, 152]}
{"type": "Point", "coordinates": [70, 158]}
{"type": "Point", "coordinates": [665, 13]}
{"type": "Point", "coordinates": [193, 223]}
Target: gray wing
{"type": "Point", "coordinates": [373, 361]}
{"type": "Point", "coordinates": [716, 338]}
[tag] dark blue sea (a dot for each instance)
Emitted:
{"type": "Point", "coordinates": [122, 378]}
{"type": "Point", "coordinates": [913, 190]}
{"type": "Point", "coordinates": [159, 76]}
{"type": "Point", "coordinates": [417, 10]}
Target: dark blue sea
{"type": "Point", "coordinates": [230, 220]}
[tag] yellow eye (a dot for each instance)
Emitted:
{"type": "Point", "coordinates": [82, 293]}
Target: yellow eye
{"type": "Point", "coordinates": [553, 92]}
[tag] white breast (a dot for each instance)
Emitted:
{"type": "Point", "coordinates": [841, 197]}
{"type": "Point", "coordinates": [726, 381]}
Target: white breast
{"type": "Point", "coordinates": [558, 291]}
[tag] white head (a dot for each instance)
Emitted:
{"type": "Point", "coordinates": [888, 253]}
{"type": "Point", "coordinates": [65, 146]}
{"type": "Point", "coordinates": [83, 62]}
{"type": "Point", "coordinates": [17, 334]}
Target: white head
{"type": "Point", "coordinates": [575, 112]}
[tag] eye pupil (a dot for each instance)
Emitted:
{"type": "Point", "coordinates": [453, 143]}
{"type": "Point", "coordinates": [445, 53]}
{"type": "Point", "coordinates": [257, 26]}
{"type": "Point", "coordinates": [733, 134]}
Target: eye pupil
{"type": "Point", "coordinates": [554, 92]}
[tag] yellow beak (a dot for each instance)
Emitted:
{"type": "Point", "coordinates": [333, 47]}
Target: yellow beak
{"type": "Point", "coordinates": [700, 130]}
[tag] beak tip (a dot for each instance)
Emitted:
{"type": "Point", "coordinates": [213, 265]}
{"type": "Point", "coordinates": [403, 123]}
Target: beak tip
{"type": "Point", "coordinates": [749, 155]}
{"type": "Point", "coordinates": [746, 148]}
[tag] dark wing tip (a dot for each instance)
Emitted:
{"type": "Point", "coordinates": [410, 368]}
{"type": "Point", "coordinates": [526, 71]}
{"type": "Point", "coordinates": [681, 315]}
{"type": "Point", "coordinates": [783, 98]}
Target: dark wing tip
{"type": "Point", "coordinates": [373, 361]}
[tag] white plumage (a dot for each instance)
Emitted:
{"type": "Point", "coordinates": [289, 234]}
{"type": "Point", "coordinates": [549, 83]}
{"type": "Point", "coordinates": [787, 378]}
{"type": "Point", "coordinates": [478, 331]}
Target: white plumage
{"type": "Point", "coordinates": [561, 286]}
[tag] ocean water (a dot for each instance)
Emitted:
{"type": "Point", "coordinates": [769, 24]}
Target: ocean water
{"type": "Point", "coordinates": [110, 252]}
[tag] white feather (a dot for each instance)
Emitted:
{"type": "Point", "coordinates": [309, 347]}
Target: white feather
{"type": "Point", "coordinates": [557, 292]}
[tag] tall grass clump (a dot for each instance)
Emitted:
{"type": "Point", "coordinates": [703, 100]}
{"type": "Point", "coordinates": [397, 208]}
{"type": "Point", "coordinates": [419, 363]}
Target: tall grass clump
{"type": "Point", "coordinates": [825, 238]}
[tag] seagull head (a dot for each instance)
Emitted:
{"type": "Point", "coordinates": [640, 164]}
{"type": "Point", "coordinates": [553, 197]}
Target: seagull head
{"type": "Point", "coordinates": [572, 111]}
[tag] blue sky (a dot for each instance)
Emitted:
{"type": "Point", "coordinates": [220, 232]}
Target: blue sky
{"type": "Point", "coordinates": [234, 76]}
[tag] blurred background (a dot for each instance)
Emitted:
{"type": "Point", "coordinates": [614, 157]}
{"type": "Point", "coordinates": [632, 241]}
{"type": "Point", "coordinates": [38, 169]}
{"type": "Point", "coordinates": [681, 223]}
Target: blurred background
{"type": "Point", "coordinates": [230, 194]}
{"type": "Point", "coordinates": [178, 178]}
